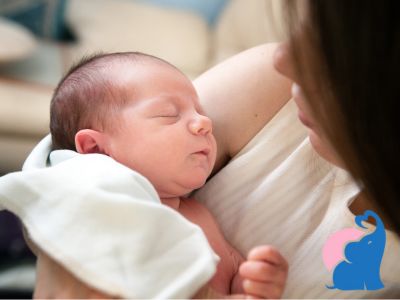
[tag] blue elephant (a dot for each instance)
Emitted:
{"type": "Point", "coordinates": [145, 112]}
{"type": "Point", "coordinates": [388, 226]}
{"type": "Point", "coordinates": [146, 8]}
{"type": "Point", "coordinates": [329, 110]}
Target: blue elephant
{"type": "Point", "coordinates": [360, 270]}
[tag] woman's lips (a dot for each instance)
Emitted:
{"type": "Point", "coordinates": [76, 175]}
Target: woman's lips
{"type": "Point", "coordinates": [297, 95]}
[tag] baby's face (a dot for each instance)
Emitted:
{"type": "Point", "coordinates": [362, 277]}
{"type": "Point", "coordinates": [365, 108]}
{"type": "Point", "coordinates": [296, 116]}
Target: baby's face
{"type": "Point", "coordinates": [163, 133]}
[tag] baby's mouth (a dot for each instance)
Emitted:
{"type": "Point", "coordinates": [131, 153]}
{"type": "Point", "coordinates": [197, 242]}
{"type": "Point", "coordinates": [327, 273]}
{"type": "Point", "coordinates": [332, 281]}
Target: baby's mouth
{"type": "Point", "coordinates": [204, 151]}
{"type": "Point", "coordinates": [202, 154]}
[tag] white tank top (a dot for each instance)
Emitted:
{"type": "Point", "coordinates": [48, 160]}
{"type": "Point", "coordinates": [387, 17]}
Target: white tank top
{"type": "Point", "coordinates": [278, 191]}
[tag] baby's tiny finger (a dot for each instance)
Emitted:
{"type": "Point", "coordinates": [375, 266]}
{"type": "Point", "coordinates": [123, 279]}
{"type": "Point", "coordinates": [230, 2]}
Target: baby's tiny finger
{"type": "Point", "coordinates": [258, 270]}
{"type": "Point", "coordinates": [269, 254]}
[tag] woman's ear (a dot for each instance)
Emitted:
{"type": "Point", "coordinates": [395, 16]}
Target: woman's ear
{"type": "Point", "coordinates": [90, 141]}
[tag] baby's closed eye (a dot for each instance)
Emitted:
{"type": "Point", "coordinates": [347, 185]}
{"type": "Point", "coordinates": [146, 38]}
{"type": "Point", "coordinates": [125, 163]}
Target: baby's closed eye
{"type": "Point", "coordinates": [167, 111]}
{"type": "Point", "coordinates": [166, 115]}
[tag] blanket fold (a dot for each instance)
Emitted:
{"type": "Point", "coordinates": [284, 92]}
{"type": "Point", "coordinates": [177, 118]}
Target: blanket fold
{"type": "Point", "coordinates": [105, 223]}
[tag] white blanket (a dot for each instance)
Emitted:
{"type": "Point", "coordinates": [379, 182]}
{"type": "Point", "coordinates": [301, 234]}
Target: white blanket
{"type": "Point", "coordinates": [105, 223]}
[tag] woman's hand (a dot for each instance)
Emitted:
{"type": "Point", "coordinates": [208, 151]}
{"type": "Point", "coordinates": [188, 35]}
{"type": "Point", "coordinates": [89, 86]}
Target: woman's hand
{"type": "Point", "coordinates": [264, 272]}
{"type": "Point", "coordinates": [53, 281]}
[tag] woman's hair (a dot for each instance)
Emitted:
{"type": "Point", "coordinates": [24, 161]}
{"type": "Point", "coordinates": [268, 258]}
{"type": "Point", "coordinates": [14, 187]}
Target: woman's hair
{"type": "Point", "coordinates": [87, 97]}
{"type": "Point", "coordinates": [347, 52]}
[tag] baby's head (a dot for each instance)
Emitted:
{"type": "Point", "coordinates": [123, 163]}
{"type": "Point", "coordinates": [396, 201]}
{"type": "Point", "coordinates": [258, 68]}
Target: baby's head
{"type": "Point", "coordinates": [139, 110]}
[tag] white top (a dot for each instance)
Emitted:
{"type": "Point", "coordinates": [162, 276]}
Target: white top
{"type": "Point", "coordinates": [278, 191]}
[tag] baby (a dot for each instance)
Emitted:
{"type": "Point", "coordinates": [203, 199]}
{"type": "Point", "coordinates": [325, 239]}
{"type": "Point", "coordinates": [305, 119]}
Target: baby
{"type": "Point", "coordinates": [144, 113]}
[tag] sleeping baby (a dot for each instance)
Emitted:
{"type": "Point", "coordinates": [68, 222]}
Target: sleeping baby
{"type": "Point", "coordinates": [145, 114]}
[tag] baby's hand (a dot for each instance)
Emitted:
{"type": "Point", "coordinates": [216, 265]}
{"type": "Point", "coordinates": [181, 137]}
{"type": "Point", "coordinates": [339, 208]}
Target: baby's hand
{"type": "Point", "coordinates": [264, 273]}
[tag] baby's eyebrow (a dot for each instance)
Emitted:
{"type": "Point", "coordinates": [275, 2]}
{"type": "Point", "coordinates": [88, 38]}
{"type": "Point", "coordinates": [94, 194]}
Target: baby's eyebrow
{"type": "Point", "coordinates": [162, 106]}
{"type": "Point", "coordinates": [176, 102]}
{"type": "Point", "coordinates": [160, 101]}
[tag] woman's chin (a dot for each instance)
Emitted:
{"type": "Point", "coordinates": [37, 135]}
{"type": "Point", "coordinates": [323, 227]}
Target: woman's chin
{"type": "Point", "coordinates": [322, 147]}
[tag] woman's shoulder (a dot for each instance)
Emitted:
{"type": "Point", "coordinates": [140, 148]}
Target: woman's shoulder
{"type": "Point", "coordinates": [241, 95]}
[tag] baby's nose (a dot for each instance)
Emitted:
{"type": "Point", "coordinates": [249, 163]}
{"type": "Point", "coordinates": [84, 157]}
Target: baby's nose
{"type": "Point", "coordinates": [201, 125]}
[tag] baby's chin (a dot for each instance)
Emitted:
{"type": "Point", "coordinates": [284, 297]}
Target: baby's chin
{"type": "Point", "coordinates": [183, 189]}
{"type": "Point", "coordinates": [193, 187]}
{"type": "Point", "coordinates": [197, 183]}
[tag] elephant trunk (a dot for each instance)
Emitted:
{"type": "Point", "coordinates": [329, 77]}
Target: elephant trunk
{"type": "Point", "coordinates": [369, 213]}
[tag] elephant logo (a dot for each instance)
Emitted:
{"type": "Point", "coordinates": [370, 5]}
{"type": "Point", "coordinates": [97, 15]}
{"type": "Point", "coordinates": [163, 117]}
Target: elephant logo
{"type": "Point", "coordinates": [359, 268]}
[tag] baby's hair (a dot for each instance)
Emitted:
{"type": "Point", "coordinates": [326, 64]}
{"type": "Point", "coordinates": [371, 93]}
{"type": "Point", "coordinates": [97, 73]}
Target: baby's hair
{"type": "Point", "coordinates": [87, 98]}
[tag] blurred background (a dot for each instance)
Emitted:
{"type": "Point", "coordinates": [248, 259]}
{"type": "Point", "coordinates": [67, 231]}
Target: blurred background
{"type": "Point", "coordinates": [40, 39]}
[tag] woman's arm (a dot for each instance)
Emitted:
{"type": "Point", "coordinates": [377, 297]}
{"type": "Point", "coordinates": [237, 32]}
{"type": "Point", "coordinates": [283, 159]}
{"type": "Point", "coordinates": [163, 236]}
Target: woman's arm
{"type": "Point", "coordinates": [241, 95]}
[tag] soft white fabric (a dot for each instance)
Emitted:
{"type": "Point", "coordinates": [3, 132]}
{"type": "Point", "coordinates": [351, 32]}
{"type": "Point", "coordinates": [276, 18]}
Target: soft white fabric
{"type": "Point", "coordinates": [278, 191]}
{"type": "Point", "coordinates": [106, 224]}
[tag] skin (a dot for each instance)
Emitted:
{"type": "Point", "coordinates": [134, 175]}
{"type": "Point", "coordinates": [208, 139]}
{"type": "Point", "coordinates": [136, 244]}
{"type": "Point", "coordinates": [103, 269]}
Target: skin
{"type": "Point", "coordinates": [167, 116]}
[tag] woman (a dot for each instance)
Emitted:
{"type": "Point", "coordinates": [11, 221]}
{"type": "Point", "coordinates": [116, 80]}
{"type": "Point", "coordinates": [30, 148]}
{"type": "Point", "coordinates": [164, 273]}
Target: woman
{"type": "Point", "coordinates": [344, 58]}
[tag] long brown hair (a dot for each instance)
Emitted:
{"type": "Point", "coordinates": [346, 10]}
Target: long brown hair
{"type": "Point", "coordinates": [350, 51]}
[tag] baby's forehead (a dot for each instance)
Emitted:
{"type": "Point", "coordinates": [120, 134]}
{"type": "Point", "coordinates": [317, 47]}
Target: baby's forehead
{"type": "Point", "coordinates": [145, 73]}
{"type": "Point", "coordinates": [133, 74]}
{"type": "Point", "coordinates": [135, 80]}
{"type": "Point", "coordinates": [129, 65]}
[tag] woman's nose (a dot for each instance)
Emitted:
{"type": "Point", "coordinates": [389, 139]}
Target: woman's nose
{"type": "Point", "coordinates": [200, 125]}
{"type": "Point", "coordinates": [283, 61]}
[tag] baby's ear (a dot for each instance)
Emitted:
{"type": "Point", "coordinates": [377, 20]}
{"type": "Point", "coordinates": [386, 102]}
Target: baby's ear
{"type": "Point", "coordinates": [90, 141]}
